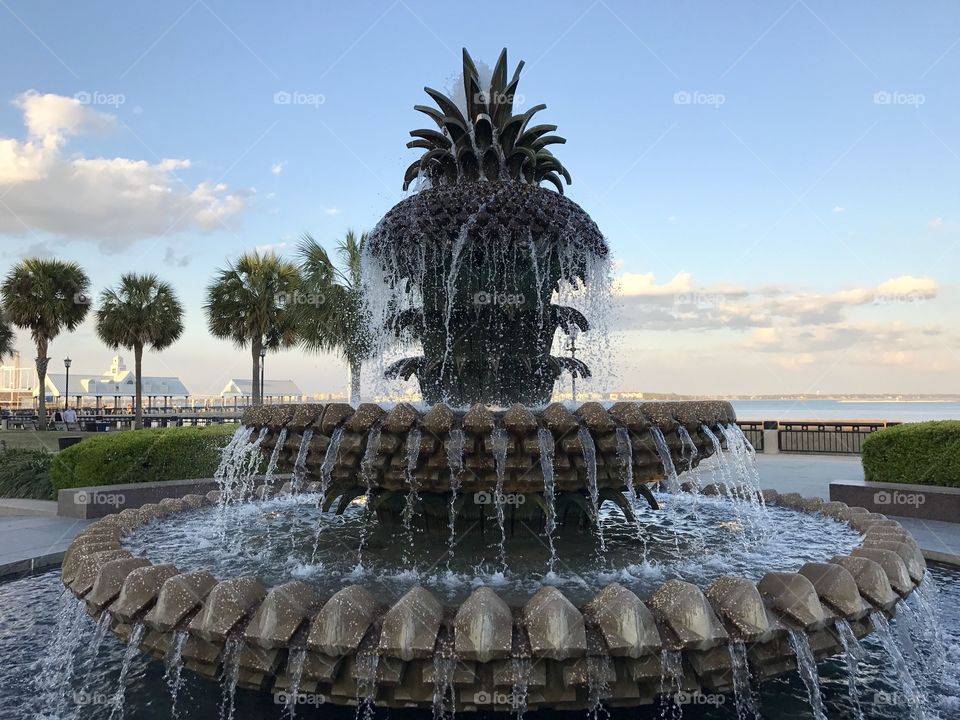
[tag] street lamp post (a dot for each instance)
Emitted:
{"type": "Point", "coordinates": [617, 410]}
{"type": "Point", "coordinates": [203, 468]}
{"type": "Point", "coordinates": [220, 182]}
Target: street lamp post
{"type": "Point", "coordinates": [263, 363]}
{"type": "Point", "coordinates": [66, 391]}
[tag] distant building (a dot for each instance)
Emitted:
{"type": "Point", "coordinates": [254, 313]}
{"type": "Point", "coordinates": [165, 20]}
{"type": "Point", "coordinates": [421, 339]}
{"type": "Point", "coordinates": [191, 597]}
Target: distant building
{"type": "Point", "coordinates": [113, 388]}
{"type": "Point", "coordinates": [17, 383]}
{"type": "Point", "coordinates": [240, 391]}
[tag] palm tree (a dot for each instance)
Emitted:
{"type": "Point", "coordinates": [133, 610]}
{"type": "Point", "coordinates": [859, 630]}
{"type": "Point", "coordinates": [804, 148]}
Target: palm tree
{"type": "Point", "coordinates": [335, 321]}
{"type": "Point", "coordinates": [143, 311]}
{"type": "Point", "coordinates": [6, 336]}
{"type": "Point", "coordinates": [250, 302]}
{"type": "Point", "coordinates": [45, 297]}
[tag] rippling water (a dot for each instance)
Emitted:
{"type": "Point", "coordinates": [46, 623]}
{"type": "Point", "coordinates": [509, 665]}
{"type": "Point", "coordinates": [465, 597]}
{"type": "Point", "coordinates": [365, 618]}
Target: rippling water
{"type": "Point", "coordinates": [695, 538]}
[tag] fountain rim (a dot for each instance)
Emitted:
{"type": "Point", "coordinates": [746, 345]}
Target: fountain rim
{"type": "Point", "coordinates": [103, 575]}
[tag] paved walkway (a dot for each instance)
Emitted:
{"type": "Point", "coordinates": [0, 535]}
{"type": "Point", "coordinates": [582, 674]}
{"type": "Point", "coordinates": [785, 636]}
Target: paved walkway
{"type": "Point", "coordinates": [811, 475]}
{"type": "Point", "coordinates": [28, 544]}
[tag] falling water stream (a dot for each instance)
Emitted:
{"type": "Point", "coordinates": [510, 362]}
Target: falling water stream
{"type": "Point", "coordinates": [807, 667]}
{"type": "Point", "coordinates": [589, 450]}
{"type": "Point", "coordinates": [455, 447]}
{"type": "Point", "coordinates": [743, 697]}
{"type": "Point", "coordinates": [852, 655]}
{"type": "Point", "coordinates": [547, 450]}
{"type": "Point", "coordinates": [498, 442]}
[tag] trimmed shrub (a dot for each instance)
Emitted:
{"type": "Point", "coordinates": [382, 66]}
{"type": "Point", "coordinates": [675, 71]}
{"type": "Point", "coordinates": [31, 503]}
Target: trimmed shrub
{"type": "Point", "coordinates": [925, 453]}
{"type": "Point", "coordinates": [25, 474]}
{"type": "Point", "coordinates": [141, 456]}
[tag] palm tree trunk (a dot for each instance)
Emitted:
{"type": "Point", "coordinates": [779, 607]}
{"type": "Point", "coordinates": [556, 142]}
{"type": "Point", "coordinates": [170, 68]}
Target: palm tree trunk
{"type": "Point", "coordinates": [255, 352]}
{"type": "Point", "coordinates": [354, 382]}
{"type": "Point", "coordinates": [42, 361]}
{"type": "Point", "coordinates": [138, 405]}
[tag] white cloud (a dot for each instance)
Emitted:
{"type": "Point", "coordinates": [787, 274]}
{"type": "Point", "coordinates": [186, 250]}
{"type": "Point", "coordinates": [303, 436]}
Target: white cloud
{"type": "Point", "coordinates": [935, 223]}
{"type": "Point", "coordinates": [331, 211]}
{"type": "Point", "coordinates": [115, 201]}
{"type": "Point", "coordinates": [837, 210]}
{"type": "Point", "coordinates": [644, 284]}
{"type": "Point", "coordinates": [277, 167]}
{"type": "Point", "coordinates": [271, 248]}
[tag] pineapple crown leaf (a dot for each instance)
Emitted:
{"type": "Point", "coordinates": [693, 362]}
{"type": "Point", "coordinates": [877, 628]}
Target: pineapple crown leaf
{"type": "Point", "coordinates": [490, 142]}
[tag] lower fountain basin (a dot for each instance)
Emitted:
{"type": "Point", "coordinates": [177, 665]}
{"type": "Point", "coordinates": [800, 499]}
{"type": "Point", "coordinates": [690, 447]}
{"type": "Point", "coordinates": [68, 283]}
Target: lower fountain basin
{"type": "Point", "coordinates": [363, 644]}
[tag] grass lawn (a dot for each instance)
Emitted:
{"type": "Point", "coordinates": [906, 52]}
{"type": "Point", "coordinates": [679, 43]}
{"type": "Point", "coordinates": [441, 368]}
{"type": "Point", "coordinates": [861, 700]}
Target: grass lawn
{"type": "Point", "coordinates": [36, 440]}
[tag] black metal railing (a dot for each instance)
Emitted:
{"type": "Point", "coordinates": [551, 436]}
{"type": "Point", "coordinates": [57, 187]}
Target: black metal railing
{"type": "Point", "coordinates": [753, 431]}
{"type": "Point", "coordinates": [835, 437]}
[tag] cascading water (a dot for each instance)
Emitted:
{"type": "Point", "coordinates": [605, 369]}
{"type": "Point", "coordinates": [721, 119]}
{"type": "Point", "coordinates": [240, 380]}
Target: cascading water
{"type": "Point", "coordinates": [522, 668]}
{"type": "Point", "coordinates": [300, 464]}
{"type": "Point", "coordinates": [690, 454]}
{"type": "Point", "coordinates": [547, 448]}
{"type": "Point", "coordinates": [671, 481]}
{"type": "Point", "coordinates": [133, 645]}
{"type": "Point", "coordinates": [173, 668]}
{"type": "Point", "coordinates": [413, 455]}
{"type": "Point", "coordinates": [275, 456]}
{"type": "Point", "coordinates": [671, 683]}
{"type": "Point", "coordinates": [744, 700]}
{"type": "Point", "coordinates": [297, 660]}
{"type": "Point", "coordinates": [852, 655]}
{"type": "Point", "coordinates": [54, 673]}
{"type": "Point", "coordinates": [599, 668]}
{"type": "Point", "coordinates": [498, 443]}
{"type": "Point", "coordinates": [444, 667]}
{"type": "Point", "coordinates": [367, 472]}
{"type": "Point", "coordinates": [589, 450]}
{"type": "Point", "coordinates": [455, 466]}
{"type": "Point", "coordinates": [367, 666]}
{"type": "Point", "coordinates": [912, 695]}
{"type": "Point", "coordinates": [807, 667]}
{"type": "Point", "coordinates": [230, 675]}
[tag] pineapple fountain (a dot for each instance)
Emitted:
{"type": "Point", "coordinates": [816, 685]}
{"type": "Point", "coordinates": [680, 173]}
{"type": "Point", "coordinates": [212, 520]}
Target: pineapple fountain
{"type": "Point", "coordinates": [490, 549]}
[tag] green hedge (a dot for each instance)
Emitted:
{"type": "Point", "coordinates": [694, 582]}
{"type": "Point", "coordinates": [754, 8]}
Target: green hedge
{"type": "Point", "coordinates": [919, 453]}
{"type": "Point", "coordinates": [25, 474]}
{"type": "Point", "coordinates": [141, 456]}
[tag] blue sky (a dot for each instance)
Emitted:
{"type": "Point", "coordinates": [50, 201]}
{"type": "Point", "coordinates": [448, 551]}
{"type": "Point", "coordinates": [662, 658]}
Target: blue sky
{"type": "Point", "coordinates": [788, 172]}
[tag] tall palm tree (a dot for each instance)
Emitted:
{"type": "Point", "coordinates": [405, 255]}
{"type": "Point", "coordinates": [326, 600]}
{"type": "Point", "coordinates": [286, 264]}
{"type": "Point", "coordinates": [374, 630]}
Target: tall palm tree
{"type": "Point", "coordinates": [336, 320]}
{"type": "Point", "coordinates": [250, 303]}
{"type": "Point", "coordinates": [142, 311]}
{"type": "Point", "coordinates": [6, 336]}
{"type": "Point", "coordinates": [45, 297]}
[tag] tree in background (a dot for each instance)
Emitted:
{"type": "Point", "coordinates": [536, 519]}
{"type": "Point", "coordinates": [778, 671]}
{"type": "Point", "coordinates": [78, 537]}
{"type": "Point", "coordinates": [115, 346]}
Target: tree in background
{"type": "Point", "coordinates": [335, 321]}
{"type": "Point", "coordinates": [45, 297]}
{"type": "Point", "coordinates": [250, 301]}
{"type": "Point", "coordinates": [142, 311]}
{"type": "Point", "coordinates": [6, 336]}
